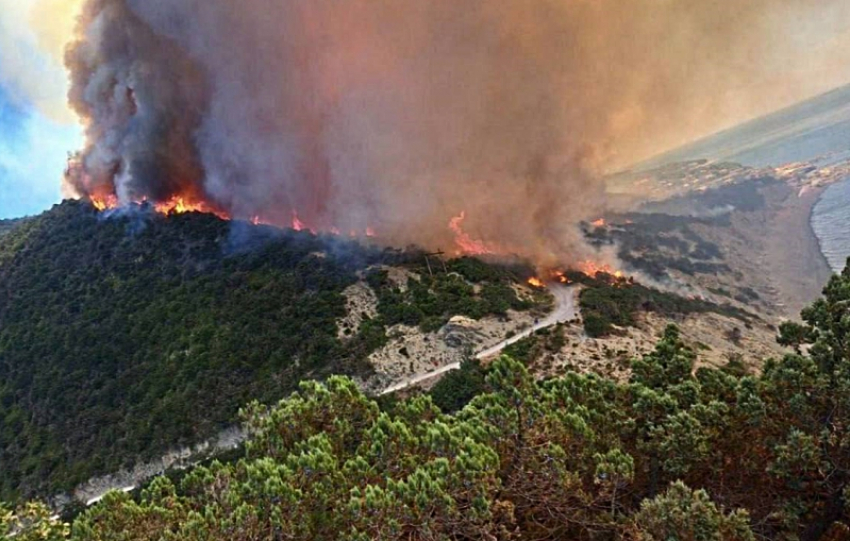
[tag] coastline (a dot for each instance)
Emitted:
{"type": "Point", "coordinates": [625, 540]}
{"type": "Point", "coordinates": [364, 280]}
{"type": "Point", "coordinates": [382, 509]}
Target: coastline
{"type": "Point", "coordinates": [824, 250]}
{"type": "Point", "coordinates": [798, 265]}
{"type": "Point", "coordinates": [821, 248]}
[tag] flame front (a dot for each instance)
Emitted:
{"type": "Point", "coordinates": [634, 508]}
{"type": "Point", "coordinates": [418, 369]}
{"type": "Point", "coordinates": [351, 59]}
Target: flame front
{"type": "Point", "coordinates": [184, 204]}
{"type": "Point", "coordinates": [592, 268]}
{"type": "Point", "coordinates": [467, 244]}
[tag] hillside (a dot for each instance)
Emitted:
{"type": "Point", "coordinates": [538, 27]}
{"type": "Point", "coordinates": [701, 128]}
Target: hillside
{"type": "Point", "coordinates": [123, 337]}
{"type": "Point", "coordinates": [6, 226]}
{"type": "Point", "coordinates": [674, 453]}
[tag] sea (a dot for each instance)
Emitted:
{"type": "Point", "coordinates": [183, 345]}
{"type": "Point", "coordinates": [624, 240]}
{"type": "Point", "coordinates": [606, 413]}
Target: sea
{"type": "Point", "coordinates": [816, 130]}
{"type": "Point", "coordinates": [831, 223]}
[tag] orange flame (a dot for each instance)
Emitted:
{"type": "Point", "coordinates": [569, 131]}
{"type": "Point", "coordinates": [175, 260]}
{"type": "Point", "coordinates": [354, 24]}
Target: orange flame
{"type": "Point", "coordinates": [104, 202]}
{"type": "Point", "coordinates": [183, 204]}
{"type": "Point", "coordinates": [599, 223]}
{"type": "Point", "coordinates": [536, 282]}
{"type": "Point", "coordinates": [560, 276]}
{"type": "Point", "coordinates": [592, 268]}
{"type": "Point", "coordinates": [467, 244]}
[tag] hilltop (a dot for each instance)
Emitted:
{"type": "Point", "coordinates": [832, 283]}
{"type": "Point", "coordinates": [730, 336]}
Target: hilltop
{"type": "Point", "coordinates": [123, 336]}
{"type": "Point", "coordinates": [129, 334]}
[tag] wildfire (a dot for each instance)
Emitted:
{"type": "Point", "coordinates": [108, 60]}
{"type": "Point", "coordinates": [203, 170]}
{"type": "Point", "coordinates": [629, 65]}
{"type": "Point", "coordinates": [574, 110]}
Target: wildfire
{"type": "Point", "coordinates": [560, 276]}
{"type": "Point", "coordinates": [599, 223]}
{"type": "Point", "coordinates": [297, 224]}
{"type": "Point", "coordinates": [175, 205]}
{"type": "Point", "coordinates": [467, 244]}
{"type": "Point", "coordinates": [592, 268]}
{"type": "Point", "coordinates": [536, 282]}
{"type": "Point", "coordinates": [180, 205]}
{"type": "Point", "coordinates": [104, 202]}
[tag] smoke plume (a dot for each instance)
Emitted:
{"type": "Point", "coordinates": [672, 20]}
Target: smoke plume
{"type": "Point", "coordinates": [401, 114]}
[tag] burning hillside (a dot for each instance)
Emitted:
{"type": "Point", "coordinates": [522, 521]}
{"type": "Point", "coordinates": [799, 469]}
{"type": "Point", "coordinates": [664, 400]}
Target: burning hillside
{"type": "Point", "coordinates": [399, 118]}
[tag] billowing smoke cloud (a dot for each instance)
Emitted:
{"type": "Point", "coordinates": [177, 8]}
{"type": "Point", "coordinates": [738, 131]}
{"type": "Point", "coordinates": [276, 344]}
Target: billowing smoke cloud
{"type": "Point", "coordinates": [400, 114]}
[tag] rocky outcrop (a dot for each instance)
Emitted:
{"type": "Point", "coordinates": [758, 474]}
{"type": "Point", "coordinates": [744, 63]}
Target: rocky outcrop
{"type": "Point", "coordinates": [462, 332]}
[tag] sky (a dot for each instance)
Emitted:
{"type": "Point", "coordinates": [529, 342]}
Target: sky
{"type": "Point", "coordinates": [38, 130]}
{"type": "Point", "coordinates": [33, 151]}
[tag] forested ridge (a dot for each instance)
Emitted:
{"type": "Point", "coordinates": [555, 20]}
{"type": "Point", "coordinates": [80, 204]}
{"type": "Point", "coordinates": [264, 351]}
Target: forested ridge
{"type": "Point", "coordinates": [676, 452]}
{"type": "Point", "coordinates": [127, 335]}
{"type": "Point", "coordinates": [672, 454]}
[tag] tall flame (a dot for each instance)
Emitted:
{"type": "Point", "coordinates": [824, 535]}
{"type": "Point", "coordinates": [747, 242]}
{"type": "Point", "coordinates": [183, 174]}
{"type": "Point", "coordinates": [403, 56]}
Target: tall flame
{"type": "Point", "coordinates": [297, 224]}
{"type": "Point", "coordinates": [467, 244]}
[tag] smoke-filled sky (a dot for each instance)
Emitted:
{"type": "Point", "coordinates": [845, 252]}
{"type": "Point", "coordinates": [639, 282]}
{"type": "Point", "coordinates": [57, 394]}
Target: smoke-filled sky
{"type": "Point", "coordinates": [399, 114]}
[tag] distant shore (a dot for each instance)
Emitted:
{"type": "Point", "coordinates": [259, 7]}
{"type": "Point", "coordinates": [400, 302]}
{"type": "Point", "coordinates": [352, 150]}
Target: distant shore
{"type": "Point", "coordinates": [823, 241]}
{"type": "Point", "coordinates": [797, 262]}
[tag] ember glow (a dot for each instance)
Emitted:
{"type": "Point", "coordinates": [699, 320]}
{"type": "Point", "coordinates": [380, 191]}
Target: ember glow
{"type": "Point", "coordinates": [598, 223]}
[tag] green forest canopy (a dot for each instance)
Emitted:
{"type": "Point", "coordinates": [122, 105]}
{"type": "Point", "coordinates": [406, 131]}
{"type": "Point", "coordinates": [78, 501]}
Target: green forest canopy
{"type": "Point", "coordinates": [672, 454]}
{"type": "Point", "coordinates": [124, 337]}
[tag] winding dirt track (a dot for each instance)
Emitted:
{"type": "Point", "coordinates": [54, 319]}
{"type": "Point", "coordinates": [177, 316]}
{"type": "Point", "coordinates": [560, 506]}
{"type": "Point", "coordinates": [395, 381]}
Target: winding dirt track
{"type": "Point", "coordinates": [566, 309]}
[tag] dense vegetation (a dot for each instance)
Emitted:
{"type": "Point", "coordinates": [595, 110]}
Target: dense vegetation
{"type": "Point", "coordinates": [124, 337]}
{"type": "Point", "coordinates": [608, 302]}
{"type": "Point", "coordinates": [6, 226]}
{"type": "Point", "coordinates": [672, 454]}
{"type": "Point", "coordinates": [429, 301]}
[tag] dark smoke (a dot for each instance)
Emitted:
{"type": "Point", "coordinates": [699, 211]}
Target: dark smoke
{"type": "Point", "coordinates": [394, 114]}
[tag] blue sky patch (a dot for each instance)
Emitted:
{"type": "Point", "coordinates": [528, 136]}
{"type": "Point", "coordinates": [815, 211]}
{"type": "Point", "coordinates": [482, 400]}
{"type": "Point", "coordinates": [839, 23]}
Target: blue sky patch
{"type": "Point", "coordinates": [33, 153]}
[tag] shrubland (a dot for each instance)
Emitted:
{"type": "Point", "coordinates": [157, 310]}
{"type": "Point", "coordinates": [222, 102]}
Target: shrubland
{"type": "Point", "coordinates": [675, 452]}
{"type": "Point", "coordinates": [126, 336]}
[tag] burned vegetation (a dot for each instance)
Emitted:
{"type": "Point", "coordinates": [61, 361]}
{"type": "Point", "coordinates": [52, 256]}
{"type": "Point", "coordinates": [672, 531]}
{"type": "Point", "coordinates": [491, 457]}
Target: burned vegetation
{"type": "Point", "coordinates": [609, 303]}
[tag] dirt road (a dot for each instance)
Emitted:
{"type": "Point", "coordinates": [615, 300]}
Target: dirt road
{"type": "Point", "coordinates": [566, 309]}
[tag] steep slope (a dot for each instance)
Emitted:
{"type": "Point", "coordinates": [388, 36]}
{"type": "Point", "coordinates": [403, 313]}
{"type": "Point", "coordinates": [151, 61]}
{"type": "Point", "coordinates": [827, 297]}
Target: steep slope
{"type": "Point", "coordinates": [124, 335]}
{"type": "Point", "coordinates": [6, 226]}
{"type": "Point", "coordinates": [675, 452]}
{"type": "Point", "coordinates": [120, 337]}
